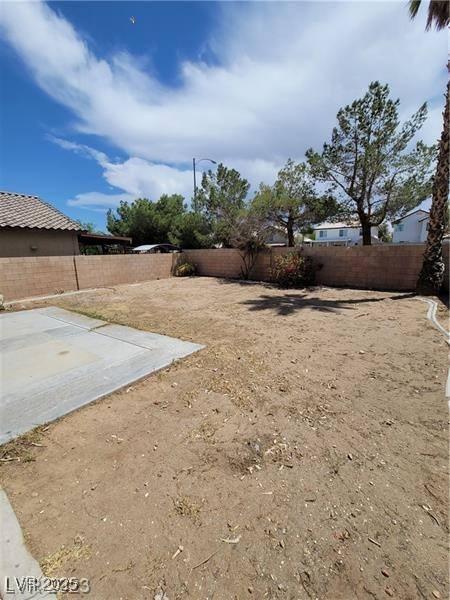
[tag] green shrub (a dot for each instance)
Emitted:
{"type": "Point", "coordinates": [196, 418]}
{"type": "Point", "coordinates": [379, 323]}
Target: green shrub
{"type": "Point", "coordinates": [293, 270]}
{"type": "Point", "coordinates": [185, 270]}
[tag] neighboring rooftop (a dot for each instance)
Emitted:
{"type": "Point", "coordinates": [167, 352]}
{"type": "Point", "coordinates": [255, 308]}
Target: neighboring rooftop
{"type": "Point", "coordinates": [413, 212]}
{"type": "Point", "coordinates": [154, 247]}
{"type": "Point", "coordinates": [337, 225]}
{"type": "Point", "coordinates": [30, 212]}
{"type": "Point", "coordinates": [92, 238]}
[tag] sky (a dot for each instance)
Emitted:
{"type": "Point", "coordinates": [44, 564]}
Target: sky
{"type": "Point", "coordinates": [95, 108]}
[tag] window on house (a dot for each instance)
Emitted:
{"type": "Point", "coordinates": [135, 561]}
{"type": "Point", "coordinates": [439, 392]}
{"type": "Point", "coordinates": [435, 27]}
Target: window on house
{"type": "Point", "coordinates": [399, 227]}
{"type": "Point", "coordinates": [322, 234]}
{"type": "Point", "coordinates": [360, 231]}
{"type": "Point", "coordinates": [342, 233]}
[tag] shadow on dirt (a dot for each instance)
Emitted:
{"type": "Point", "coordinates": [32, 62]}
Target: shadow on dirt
{"type": "Point", "coordinates": [288, 303]}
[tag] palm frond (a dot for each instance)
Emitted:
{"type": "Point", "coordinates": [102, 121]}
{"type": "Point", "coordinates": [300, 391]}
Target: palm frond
{"type": "Point", "coordinates": [438, 14]}
{"type": "Point", "coordinates": [414, 6]}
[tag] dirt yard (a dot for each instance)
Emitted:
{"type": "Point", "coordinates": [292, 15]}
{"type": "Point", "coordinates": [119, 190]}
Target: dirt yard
{"type": "Point", "coordinates": [302, 454]}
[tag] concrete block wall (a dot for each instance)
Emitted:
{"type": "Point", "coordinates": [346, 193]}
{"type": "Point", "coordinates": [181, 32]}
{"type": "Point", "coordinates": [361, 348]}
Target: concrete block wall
{"type": "Point", "coordinates": [228, 263]}
{"type": "Point", "coordinates": [220, 262]}
{"type": "Point", "coordinates": [103, 271]}
{"type": "Point", "coordinates": [36, 276]}
{"type": "Point", "coordinates": [378, 267]}
{"type": "Point", "coordinates": [381, 267]}
{"type": "Point", "coordinates": [23, 277]}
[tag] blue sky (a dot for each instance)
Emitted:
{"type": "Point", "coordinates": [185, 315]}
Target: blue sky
{"type": "Point", "coordinates": [95, 109]}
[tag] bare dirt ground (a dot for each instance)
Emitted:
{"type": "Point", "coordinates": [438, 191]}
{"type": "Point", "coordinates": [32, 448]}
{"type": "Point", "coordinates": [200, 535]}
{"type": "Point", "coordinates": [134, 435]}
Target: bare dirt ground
{"type": "Point", "coordinates": [302, 454]}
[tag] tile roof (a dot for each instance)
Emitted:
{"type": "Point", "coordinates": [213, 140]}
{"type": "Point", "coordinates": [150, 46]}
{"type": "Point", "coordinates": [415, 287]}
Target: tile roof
{"type": "Point", "coordinates": [20, 210]}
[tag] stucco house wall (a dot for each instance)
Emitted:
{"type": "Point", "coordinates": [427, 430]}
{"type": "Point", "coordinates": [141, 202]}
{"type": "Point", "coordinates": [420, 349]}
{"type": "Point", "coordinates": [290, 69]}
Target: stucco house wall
{"type": "Point", "coordinates": [351, 235]}
{"type": "Point", "coordinates": [37, 242]}
{"type": "Point", "coordinates": [411, 229]}
{"type": "Point", "coordinates": [424, 229]}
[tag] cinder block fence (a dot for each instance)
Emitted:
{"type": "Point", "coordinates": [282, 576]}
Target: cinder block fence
{"type": "Point", "coordinates": [381, 267]}
{"type": "Point", "coordinates": [41, 275]}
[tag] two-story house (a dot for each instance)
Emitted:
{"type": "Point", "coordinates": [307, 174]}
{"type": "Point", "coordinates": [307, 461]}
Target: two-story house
{"type": "Point", "coordinates": [412, 228]}
{"type": "Point", "coordinates": [342, 234]}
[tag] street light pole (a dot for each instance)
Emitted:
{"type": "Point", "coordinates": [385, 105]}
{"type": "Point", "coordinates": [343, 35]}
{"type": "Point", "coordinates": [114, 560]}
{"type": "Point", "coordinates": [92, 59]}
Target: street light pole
{"type": "Point", "coordinates": [194, 163]}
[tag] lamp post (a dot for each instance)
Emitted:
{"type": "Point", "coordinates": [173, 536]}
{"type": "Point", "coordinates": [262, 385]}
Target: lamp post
{"type": "Point", "coordinates": [194, 163]}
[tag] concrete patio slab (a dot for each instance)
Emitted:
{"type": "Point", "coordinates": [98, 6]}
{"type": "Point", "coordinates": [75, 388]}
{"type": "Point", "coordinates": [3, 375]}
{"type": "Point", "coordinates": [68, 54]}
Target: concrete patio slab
{"type": "Point", "coordinates": [53, 361]}
{"type": "Point", "coordinates": [71, 318]}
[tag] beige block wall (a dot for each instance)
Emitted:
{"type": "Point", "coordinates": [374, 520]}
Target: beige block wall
{"type": "Point", "coordinates": [381, 267]}
{"type": "Point", "coordinates": [37, 276]}
{"type": "Point", "coordinates": [20, 242]}
{"type": "Point", "coordinates": [102, 271]}
{"type": "Point", "coordinates": [220, 262]}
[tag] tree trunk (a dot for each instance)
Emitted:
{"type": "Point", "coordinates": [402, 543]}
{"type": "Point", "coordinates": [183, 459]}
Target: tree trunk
{"type": "Point", "coordinates": [432, 274]}
{"type": "Point", "coordinates": [290, 232]}
{"type": "Point", "coordinates": [366, 233]}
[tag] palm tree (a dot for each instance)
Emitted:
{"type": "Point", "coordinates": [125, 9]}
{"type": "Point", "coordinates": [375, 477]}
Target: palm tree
{"type": "Point", "coordinates": [432, 273]}
{"type": "Point", "coordinates": [437, 12]}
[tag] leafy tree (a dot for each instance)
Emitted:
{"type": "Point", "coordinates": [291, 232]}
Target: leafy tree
{"type": "Point", "coordinates": [169, 208]}
{"type": "Point", "coordinates": [138, 220]}
{"type": "Point", "coordinates": [86, 226]}
{"type": "Point", "coordinates": [371, 172]}
{"type": "Point", "coordinates": [309, 233]}
{"type": "Point", "coordinates": [191, 230]}
{"type": "Point", "coordinates": [384, 234]}
{"type": "Point", "coordinates": [220, 199]}
{"type": "Point", "coordinates": [292, 203]}
{"type": "Point", "coordinates": [432, 273]}
{"type": "Point", "coordinates": [165, 220]}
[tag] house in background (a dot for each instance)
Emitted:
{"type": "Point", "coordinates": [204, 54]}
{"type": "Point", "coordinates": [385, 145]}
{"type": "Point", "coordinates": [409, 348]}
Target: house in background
{"type": "Point", "coordinates": [276, 236]}
{"type": "Point", "coordinates": [341, 234]}
{"type": "Point", "coordinates": [31, 227]}
{"type": "Point", "coordinates": [412, 228]}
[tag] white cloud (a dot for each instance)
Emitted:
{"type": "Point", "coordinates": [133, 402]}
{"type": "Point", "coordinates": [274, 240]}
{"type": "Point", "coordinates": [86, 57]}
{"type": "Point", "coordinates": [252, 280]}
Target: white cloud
{"type": "Point", "coordinates": [98, 201]}
{"type": "Point", "coordinates": [136, 176]}
{"type": "Point", "coordinates": [143, 178]}
{"type": "Point", "coordinates": [281, 72]}
{"type": "Point", "coordinates": [81, 149]}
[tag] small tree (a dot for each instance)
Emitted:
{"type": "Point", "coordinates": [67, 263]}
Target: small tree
{"type": "Point", "coordinates": [249, 236]}
{"type": "Point", "coordinates": [384, 234]}
{"type": "Point", "coordinates": [371, 171]}
{"type": "Point", "coordinates": [221, 198]}
{"type": "Point", "coordinates": [292, 203]}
